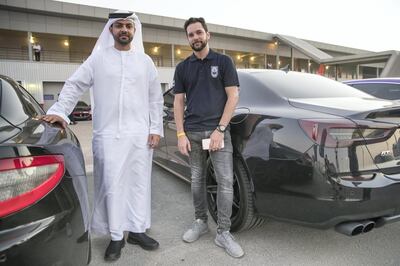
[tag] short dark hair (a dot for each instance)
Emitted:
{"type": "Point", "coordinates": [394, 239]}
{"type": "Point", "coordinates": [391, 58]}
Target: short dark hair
{"type": "Point", "coordinates": [195, 20]}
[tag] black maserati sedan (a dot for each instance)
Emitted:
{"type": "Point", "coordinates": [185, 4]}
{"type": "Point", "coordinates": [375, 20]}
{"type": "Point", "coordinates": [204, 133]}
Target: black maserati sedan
{"type": "Point", "coordinates": [43, 186]}
{"type": "Point", "coordinates": [308, 150]}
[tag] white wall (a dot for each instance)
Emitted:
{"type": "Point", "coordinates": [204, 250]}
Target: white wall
{"type": "Point", "coordinates": [33, 74]}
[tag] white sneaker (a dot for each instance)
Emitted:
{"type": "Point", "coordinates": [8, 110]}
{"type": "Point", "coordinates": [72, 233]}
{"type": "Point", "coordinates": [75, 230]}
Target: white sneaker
{"type": "Point", "coordinates": [199, 228]}
{"type": "Point", "coordinates": [226, 241]}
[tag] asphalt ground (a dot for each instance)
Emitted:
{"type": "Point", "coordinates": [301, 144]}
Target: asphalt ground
{"type": "Point", "coordinates": [274, 243]}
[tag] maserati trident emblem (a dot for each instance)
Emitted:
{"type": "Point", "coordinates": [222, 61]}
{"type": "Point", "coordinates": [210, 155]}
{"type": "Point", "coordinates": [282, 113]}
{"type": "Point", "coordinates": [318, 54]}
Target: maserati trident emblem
{"type": "Point", "coordinates": [214, 71]}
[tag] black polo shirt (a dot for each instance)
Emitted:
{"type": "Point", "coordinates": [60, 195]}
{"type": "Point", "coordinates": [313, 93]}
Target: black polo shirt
{"type": "Point", "coordinates": [204, 83]}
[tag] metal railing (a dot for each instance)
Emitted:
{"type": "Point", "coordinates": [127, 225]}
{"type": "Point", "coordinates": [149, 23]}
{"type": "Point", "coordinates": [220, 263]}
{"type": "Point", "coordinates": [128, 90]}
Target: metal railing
{"type": "Point", "coordinates": [45, 55]}
{"type": "Point", "coordinates": [14, 53]}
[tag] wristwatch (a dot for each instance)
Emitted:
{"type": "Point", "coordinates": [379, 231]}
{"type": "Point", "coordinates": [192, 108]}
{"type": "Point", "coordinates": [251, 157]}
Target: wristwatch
{"type": "Point", "coordinates": [221, 128]}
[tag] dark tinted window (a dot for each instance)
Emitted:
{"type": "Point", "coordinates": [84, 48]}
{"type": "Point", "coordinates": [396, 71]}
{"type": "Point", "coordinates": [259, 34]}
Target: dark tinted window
{"type": "Point", "coordinates": [30, 103]}
{"type": "Point", "coordinates": [6, 130]}
{"type": "Point", "coordinates": [254, 92]}
{"type": "Point", "coordinates": [384, 91]}
{"type": "Point", "coordinates": [300, 85]}
{"type": "Point", "coordinates": [16, 105]}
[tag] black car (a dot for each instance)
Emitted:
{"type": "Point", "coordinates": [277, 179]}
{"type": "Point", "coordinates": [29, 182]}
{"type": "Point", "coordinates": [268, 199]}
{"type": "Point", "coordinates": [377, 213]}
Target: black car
{"type": "Point", "coordinates": [82, 111]}
{"type": "Point", "coordinates": [308, 150]}
{"type": "Point", "coordinates": [385, 88]}
{"type": "Point", "coordinates": [43, 186]}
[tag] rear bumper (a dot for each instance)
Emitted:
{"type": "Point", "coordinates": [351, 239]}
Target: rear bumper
{"type": "Point", "coordinates": [50, 232]}
{"type": "Point", "coordinates": [309, 197]}
{"type": "Point", "coordinates": [387, 220]}
{"type": "Point", "coordinates": [50, 241]}
{"type": "Point", "coordinates": [355, 204]}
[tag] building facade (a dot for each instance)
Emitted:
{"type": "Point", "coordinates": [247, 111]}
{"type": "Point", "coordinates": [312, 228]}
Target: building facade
{"type": "Point", "coordinates": [67, 33]}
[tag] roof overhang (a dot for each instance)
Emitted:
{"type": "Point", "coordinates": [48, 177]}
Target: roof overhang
{"type": "Point", "coordinates": [304, 47]}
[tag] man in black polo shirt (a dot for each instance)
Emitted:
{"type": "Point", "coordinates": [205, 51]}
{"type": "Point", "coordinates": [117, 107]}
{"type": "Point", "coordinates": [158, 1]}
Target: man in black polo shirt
{"type": "Point", "coordinates": [210, 83]}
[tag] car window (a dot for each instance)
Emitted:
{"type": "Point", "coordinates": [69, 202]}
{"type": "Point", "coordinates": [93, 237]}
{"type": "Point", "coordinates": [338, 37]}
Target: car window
{"type": "Point", "coordinates": [30, 103]}
{"type": "Point", "coordinates": [16, 106]}
{"type": "Point", "coordinates": [6, 130]}
{"type": "Point", "coordinates": [11, 106]}
{"type": "Point", "coordinates": [384, 91]}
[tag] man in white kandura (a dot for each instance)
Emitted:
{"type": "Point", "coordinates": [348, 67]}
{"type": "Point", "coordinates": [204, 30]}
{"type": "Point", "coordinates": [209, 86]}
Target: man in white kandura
{"type": "Point", "coordinates": [127, 124]}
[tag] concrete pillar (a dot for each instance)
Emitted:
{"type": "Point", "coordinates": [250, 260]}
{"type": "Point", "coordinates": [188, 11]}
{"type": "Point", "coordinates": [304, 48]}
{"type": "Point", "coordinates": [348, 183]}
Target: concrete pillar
{"type": "Point", "coordinates": [265, 61]}
{"type": "Point", "coordinates": [336, 72]}
{"type": "Point", "coordinates": [358, 71]}
{"type": "Point", "coordinates": [172, 55]}
{"type": "Point", "coordinates": [277, 56]}
{"type": "Point", "coordinates": [30, 46]}
{"type": "Point", "coordinates": [292, 59]}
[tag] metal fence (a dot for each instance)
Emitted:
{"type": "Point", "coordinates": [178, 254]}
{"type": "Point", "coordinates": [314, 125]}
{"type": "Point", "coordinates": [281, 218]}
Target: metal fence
{"type": "Point", "coordinates": [45, 55]}
{"type": "Point", "coordinates": [14, 54]}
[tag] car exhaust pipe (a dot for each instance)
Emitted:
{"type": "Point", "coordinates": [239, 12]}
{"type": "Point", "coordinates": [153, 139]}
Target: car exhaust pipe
{"type": "Point", "coordinates": [350, 228]}
{"type": "Point", "coordinates": [368, 225]}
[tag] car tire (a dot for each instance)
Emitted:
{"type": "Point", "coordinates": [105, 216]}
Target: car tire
{"type": "Point", "coordinates": [243, 216]}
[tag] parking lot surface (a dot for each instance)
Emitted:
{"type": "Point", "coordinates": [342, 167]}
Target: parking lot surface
{"type": "Point", "coordinates": [275, 243]}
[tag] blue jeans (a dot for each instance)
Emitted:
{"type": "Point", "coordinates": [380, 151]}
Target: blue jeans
{"type": "Point", "coordinates": [222, 161]}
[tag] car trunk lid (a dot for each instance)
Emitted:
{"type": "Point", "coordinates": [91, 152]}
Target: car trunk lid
{"type": "Point", "coordinates": [378, 122]}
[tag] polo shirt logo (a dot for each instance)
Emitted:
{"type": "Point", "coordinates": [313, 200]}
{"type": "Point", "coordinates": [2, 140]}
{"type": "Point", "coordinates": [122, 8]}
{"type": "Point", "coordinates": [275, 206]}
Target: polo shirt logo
{"type": "Point", "coordinates": [214, 71]}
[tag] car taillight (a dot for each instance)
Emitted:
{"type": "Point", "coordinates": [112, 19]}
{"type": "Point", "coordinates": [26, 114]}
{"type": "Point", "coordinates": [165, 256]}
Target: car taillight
{"type": "Point", "coordinates": [25, 180]}
{"type": "Point", "coordinates": [337, 133]}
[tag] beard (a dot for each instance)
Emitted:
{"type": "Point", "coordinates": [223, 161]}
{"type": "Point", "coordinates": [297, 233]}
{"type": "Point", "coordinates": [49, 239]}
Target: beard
{"type": "Point", "coordinates": [199, 45]}
{"type": "Point", "coordinates": [123, 39]}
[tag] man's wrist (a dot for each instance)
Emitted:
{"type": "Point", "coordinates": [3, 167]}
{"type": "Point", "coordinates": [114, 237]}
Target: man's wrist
{"type": "Point", "coordinates": [221, 128]}
{"type": "Point", "coordinates": [180, 134]}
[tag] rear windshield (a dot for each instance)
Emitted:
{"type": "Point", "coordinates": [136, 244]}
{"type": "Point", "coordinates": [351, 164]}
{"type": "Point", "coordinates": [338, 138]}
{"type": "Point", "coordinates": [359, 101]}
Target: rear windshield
{"type": "Point", "coordinates": [294, 85]}
{"type": "Point", "coordinates": [17, 105]}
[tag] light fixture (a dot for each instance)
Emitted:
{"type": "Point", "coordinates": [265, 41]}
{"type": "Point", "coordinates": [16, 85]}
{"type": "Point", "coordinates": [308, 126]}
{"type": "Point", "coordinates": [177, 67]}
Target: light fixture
{"type": "Point", "coordinates": [155, 49]}
{"type": "Point", "coordinates": [32, 40]}
{"type": "Point", "coordinates": [238, 57]}
{"type": "Point", "coordinates": [279, 62]}
{"type": "Point", "coordinates": [178, 51]}
{"type": "Point", "coordinates": [66, 43]}
{"type": "Point", "coordinates": [252, 58]}
{"type": "Point", "coordinates": [327, 67]}
{"type": "Point", "coordinates": [309, 64]}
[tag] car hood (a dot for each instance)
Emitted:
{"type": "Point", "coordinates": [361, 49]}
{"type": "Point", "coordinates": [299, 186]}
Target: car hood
{"type": "Point", "coordinates": [81, 108]}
